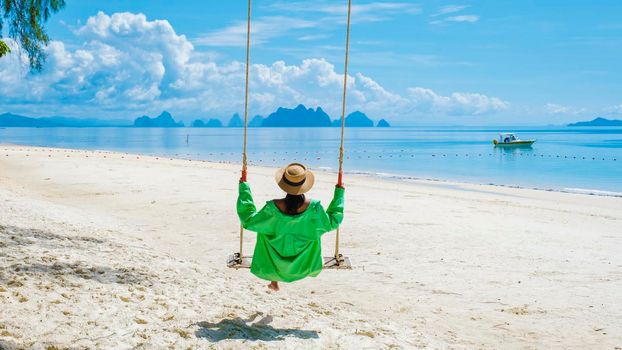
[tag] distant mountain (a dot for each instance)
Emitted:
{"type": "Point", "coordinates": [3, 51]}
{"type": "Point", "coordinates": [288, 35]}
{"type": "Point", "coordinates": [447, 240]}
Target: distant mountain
{"type": "Point", "coordinates": [212, 123]}
{"type": "Point", "coordinates": [256, 122]}
{"type": "Point", "coordinates": [87, 123]}
{"type": "Point", "coordinates": [383, 124]}
{"type": "Point", "coordinates": [198, 124]}
{"type": "Point", "coordinates": [358, 119]}
{"type": "Point", "coordinates": [235, 122]}
{"type": "Point", "coordinates": [282, 117]}
{"type": "Point", "coordinates": [599, 122]}
{"type": "Point", "coordinates": [297, 117]}
{"type": "Point", "coordinates": [164, 120]}
{"type": "Point", "coordinates": [9, 120]}
{"type": "Point", "coordinates": [14, 120]}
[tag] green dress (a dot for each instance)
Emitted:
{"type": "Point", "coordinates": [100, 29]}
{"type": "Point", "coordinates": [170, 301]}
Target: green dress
{"type": "Point", "coordinates": [288, 246]}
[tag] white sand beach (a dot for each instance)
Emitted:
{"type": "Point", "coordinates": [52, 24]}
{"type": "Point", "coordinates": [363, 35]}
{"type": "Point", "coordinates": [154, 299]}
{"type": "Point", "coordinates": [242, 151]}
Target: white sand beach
{"type": "Point", "coordinates": [104, 250]}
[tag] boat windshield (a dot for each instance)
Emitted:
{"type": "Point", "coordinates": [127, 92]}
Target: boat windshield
{"type": "Point", "coordinates": [507, 138]}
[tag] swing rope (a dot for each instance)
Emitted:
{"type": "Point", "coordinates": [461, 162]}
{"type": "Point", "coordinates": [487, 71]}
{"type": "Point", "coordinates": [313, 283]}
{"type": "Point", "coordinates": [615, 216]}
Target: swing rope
{"type": "Point", "coordinates": [338, 257]}
{"type": "Point", "coordinates": [343, 123]}
{"type": "Point", "coordinates": [244, 165]}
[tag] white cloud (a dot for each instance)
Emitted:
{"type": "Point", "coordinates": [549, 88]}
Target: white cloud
{"type": "Point", "coordinates": [463, 18]}
{"type": "Point", "coordinates": [262, 30]}
{"type": "Point", "coordinates": [614, 110]}
{"type": "Point", "coordinates": [312, 37]}
{"type": "Point", "coordinates": [457, 103]}
{"type": "Point", "coordinates": [452, 9]}
{"type": "Point", "coordinates": [449, 9]}
{"type": "Point", "coordinates": [127, 66]}
{"type": "Point", "coordinates": [457, 19]}
{"type": "Point", "coordinates": [324, 16]}
{"type": "Point", "coordinates": [364, 13]}
{"type": "Point", "coordinates": [330, 8]}
{"type": "Point", "coordinates": [554, 108]}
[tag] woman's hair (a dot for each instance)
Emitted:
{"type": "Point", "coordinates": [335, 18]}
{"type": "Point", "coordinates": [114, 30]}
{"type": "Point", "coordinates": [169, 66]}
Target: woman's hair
{"type": "Point", "coordinates": [293, 202]}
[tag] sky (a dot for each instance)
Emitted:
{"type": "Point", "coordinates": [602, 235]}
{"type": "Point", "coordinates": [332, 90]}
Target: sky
{"type": "Point", "coordinates": [431, 62]}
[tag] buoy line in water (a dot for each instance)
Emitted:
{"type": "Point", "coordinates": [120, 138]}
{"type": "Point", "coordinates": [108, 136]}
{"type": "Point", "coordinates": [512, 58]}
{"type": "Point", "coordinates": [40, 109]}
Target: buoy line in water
{"type": "Point", "coordinates": [311, 155]}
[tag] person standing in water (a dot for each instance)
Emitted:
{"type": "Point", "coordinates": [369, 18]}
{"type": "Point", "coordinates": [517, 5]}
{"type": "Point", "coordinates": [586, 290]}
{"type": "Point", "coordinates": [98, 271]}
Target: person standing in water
{"type": "Point", "coordinates": [289, 229]}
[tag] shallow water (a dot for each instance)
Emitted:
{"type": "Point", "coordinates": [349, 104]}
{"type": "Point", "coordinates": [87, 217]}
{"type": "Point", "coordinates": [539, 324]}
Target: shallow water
{"type": "Point", "coordinates": [562, 158]}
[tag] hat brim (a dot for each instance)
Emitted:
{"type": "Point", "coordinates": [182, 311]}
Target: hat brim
{"type": "Point", "coordinates": [295, 190]}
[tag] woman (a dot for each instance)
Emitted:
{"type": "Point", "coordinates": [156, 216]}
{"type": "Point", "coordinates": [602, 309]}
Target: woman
{"type": "Point", "coordinates": [289, 229]}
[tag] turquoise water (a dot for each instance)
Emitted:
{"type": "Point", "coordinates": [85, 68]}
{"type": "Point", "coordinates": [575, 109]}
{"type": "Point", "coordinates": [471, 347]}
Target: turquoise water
{"type": "Point", "coordinates": [562, 158]}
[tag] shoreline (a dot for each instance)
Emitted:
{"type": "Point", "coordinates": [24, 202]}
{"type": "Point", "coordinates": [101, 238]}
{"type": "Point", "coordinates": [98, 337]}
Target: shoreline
{"type": "Point", "coordinates": [372, 174]}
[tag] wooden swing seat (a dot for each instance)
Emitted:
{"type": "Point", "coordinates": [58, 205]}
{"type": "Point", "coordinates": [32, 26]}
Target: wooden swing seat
{"type": "Point", "coordinates": [330, 262]}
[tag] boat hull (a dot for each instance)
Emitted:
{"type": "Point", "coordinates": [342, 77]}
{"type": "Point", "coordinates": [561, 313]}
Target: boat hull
{"type": "Point", "coordinates": [521, 143]}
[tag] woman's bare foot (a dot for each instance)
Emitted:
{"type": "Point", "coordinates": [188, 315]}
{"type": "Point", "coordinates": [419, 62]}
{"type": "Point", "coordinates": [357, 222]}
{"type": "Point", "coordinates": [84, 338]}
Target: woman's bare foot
{"type": "Point", "coordinates": [274, 285]}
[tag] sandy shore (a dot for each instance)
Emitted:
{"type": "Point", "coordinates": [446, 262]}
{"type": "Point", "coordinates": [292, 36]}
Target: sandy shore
{"type": "Point", "coordinates": [108, 250]}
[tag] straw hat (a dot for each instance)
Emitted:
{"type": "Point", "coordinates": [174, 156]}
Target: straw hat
{"type": "Point", "coordinates": [295, 178]}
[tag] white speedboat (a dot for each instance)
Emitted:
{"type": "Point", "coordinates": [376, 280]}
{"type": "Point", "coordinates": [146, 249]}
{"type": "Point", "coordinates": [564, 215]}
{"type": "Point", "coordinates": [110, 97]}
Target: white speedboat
{"type": "Point", "coordinates": [509, 140]}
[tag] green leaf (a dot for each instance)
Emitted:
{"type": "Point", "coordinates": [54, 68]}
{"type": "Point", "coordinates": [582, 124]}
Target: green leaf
{"type": "Point", "coordinates": [4, 48]}
{"type": "Point", "coordinates": [26, 25]}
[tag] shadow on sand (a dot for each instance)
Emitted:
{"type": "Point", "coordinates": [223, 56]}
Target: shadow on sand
{"type": "Point", "coordinates": [9, 345]}
{"type": "Point", "coordinates": [238, 328]}
{"type": "Point", "coordinates": [14, 241]}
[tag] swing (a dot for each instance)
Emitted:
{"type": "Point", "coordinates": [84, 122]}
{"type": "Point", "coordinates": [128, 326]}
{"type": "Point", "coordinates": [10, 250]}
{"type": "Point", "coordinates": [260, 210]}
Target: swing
{"type": "Point", "coordinates": [337, 261]}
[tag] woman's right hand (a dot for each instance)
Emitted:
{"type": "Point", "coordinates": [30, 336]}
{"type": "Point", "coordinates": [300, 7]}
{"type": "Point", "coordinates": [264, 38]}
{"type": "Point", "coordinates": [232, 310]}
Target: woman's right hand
{"type": "Point", "coordinates": [243, 177]}
{"type": "Point", "coordinates": [340, 180]}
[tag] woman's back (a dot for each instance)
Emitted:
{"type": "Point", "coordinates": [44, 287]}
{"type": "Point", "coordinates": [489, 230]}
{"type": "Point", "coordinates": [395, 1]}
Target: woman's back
{"type": "Point", "coordinates": [288, 245]}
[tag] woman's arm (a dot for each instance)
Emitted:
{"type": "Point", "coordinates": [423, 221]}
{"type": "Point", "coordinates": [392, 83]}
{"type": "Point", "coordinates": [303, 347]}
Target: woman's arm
{"type": "Point", "coordinates": [250, 218]}
{"type": "Point", "coordinates": [334, 213]}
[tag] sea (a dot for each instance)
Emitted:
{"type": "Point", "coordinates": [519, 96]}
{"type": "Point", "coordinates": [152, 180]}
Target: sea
{"type": "Point", "coordinates": [573, 159]}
